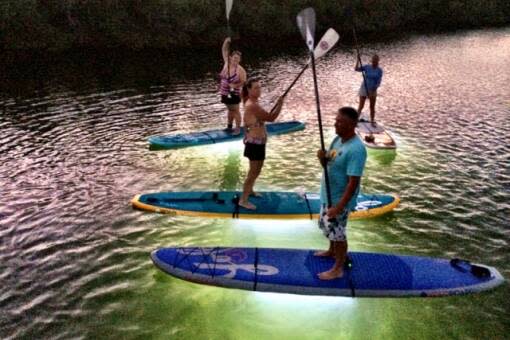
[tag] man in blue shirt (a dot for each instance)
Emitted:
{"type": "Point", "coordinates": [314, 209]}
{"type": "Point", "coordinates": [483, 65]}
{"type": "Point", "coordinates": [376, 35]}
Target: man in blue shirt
{"type": "Point", "coordinates": [373, 76]}
{"type": "Point", "coordinates": [345, 160]}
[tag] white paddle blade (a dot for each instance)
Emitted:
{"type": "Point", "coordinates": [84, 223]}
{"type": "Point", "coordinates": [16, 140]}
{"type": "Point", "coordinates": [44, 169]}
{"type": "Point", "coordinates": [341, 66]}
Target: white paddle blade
{"type": "Point", "coordinates": [306, 23]}
{"type": "Point", "coordinates": [229, 4]}
{"type": "Point", "coordinates": [329, 39]}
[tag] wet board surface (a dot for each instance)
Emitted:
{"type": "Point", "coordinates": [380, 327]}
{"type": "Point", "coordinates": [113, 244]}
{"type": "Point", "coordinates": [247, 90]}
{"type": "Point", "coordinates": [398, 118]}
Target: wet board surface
{"type": "Point", "coordinates": [295, 271]}
{"type": "Point", "coordinates": [216, 136]}
{"type": "Point", "coordinates": [271, 205]}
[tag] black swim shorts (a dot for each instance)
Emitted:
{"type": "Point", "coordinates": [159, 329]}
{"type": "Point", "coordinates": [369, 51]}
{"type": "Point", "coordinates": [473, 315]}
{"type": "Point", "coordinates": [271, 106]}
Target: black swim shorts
{"type": "Point", "coordinates": [232, 99]}
{"type": "Point", "coordinates": [255, 152]}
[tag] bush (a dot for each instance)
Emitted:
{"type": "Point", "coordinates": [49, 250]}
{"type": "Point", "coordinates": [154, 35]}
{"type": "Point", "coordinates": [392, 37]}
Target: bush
{"type": "Point", "coordinates": [171, 24]}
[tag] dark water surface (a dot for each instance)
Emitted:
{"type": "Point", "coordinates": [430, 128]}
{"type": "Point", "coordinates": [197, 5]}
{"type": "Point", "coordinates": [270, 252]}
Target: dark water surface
{"type": "Point", "coordinates": [74, 255]}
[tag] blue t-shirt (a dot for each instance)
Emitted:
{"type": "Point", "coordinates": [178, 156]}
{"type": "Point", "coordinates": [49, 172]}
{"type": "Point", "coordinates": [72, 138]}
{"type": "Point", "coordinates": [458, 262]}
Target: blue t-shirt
{"type": "Point", "coordinates": [373, 76]}
{"type": "Point", "coordinates": [349, 160]}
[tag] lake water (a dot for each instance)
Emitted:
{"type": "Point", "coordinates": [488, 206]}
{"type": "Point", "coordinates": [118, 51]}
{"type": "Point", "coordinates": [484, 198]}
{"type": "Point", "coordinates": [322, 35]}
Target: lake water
{"type": "Point", "coordinates": [74, 255]}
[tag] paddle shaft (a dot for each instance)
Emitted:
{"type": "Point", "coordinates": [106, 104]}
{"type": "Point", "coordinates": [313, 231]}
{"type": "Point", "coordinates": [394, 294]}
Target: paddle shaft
{"type": "Point", "coordinates": [292, 84]}
{"type": "Point", "coordinates": [319, 118]}
{"type": "Point", "coordinates": [329, 42]}
{"type": "Point", "coordinates": [359, 56]}
{"type": "Point", "coordinates": [295, 80]}
{"type": "Point", "coordinates": [228, 34]}
{"type": "Point", "coordinates": [228, 55]}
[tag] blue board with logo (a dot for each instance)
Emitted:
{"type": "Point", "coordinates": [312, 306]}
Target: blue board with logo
{"type": "Point", "coordinates": [295, 271]}
{"type": "Point", "coordinates": [270, 205]}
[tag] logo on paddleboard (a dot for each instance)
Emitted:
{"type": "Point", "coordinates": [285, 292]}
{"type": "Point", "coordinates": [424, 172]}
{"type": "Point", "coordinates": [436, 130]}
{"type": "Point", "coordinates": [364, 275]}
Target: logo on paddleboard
{"type": "Point", "coordinates": [236, 255]}
{"type": "Point", "coordinates": [365, 205]}
{"type": "Point", "coordinates": [324, 45]}
{"type": "Point", "coordinates": [225, 262]}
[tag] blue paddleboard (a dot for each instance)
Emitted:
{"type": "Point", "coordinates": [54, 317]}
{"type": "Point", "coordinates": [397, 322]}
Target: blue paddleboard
{"type": "Point", "coordinates": [216, 136]}
{"type": "Point", "coordinates": [270, 205]}
{"type": "Point", "coordinates": [295, 271]}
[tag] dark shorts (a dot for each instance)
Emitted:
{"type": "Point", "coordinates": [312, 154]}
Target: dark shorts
{"type": "Point", "coordinates": [255, 152]}
{"type": "Point", "coordinates": [234, 99]}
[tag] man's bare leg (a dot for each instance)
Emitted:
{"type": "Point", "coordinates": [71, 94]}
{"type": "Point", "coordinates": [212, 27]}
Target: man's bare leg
{"type": "Point", "coordinates": [340, 251]}
{"type": "Point", "coordinates": [328, 252]}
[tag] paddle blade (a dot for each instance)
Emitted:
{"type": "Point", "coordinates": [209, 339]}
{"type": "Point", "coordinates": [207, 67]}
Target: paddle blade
{"type": "Point", "coordinates": [329, 39]}
{"type": "Point", "coordinates": [306, 23]}
{"type": "Point", "coordinates": [229, 4]}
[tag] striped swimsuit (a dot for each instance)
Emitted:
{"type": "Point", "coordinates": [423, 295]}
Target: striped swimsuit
{"type": "Point", "coordinates": [225, 89]}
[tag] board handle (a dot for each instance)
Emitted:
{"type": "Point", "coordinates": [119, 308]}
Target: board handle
{"type": "Point", "coordinates": [478, 271]}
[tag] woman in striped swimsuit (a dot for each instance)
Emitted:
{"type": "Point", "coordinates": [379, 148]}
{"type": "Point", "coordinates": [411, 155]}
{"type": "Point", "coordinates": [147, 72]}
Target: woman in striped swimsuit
{"type": "Point", "coordinates": [232, 77]}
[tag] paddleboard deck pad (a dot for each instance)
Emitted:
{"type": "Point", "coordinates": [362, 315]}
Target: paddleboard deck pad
{"type": "Point", "coordinates": [295, 271]}
{"type": "Point", "coordinates": [375, 137]}
{"type": "Point", "coordinates": [270, 205]}
{"type": "Point", "coordinates": [216, 136]}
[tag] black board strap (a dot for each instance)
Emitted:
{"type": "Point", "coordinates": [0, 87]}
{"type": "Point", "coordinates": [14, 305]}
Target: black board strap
{"type": "Point", "coordinates": [214, 198]}
{"type": "Point", "coordinates": [205, 258]}
{"type": "Point", "coordinates": [347, 270]}
{"type": "Point", "coordinates": [217, 199]}
{"type": "Point", "coordinates": [209, 136]}
{"type": "Point", "coordinates": [235, 200]}
{"type": "Point", "coordinates": [308, 206]}
{"type": "Point", "coordinates": [215, 262]}
{"type": "Point", "coordinates": [184, 257]}
{"type": "Point", "coordinates": [256, 263]}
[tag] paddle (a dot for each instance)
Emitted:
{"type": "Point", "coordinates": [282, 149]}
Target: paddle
{"type": "Point", "coordinates": [359, 60]}
{"type": "Point", "coordinates": [228, 8]}
{"type": "Point", "coordinates": [306, 23]}
{"type": "Point", "coordinates": [351, 14]}
{"type": "Point", "coordinates": [329, 39]}
{"type": "Point", "coordinates": [228, 5]}
{"type": "Point", "coordinates": [370, 138]}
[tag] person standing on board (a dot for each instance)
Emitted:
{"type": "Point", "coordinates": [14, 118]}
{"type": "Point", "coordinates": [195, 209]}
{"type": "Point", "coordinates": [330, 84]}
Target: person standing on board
{"type": "Point", "coordinates": [232, 77]}
{"type": "Point", "coordinates": [255, 136]}
{"type": "Point", "coordinates": [373, 76]}
{"type": "Point", "coordinates": [345, 160]}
